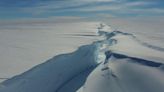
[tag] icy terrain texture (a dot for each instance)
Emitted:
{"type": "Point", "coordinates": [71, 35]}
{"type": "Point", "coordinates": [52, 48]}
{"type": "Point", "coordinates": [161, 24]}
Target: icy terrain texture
{"type": "Point", "coordinates": [117, 63]}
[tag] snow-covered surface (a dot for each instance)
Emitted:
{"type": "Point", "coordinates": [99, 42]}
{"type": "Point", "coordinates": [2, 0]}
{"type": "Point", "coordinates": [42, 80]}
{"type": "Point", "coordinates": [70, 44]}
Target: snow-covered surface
{"type": "Point", "coordinates": [115, 62]}
{"type": "Point", "coordinates": [23, 46]}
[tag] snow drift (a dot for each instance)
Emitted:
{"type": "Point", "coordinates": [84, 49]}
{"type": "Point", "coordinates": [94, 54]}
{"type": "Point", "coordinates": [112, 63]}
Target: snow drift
{"type": "Point", "coordinates": [117, 63]}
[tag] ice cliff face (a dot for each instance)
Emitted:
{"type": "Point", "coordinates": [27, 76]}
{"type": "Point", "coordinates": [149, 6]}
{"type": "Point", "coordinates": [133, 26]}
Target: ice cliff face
{"type": "Point", "coordinates": [117, 63]}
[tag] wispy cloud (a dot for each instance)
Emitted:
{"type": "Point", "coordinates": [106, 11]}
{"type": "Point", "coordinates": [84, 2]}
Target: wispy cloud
{"type": "Point", "coordinates": [79, 8]}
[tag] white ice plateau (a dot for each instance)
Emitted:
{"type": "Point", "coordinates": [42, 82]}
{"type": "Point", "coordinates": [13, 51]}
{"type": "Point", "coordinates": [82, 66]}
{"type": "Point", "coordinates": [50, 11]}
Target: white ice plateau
{"type": "Point", "coordinates": [117, 62]}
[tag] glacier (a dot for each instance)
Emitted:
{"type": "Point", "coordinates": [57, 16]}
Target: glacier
{"type": "Point", "coordinates": [118, 62]}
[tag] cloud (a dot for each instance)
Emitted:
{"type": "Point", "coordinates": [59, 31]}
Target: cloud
{"type": "Point", "coordinates": [139, 3]}
{"type": "Point", "coordinates": [152, 11]}
{"type": "Point", "coordinates": [115, 6]}
{"type": "Point", "coordinates": [80, 8]}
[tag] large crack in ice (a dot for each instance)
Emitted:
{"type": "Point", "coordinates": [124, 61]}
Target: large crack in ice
{"type": "Point", "coordinates": [60, 73]}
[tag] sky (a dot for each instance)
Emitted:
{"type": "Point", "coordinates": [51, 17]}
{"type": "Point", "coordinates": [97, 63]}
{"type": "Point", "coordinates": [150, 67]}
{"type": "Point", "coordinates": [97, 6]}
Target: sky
{"type": "Point", "coordinates": [89, 9]}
